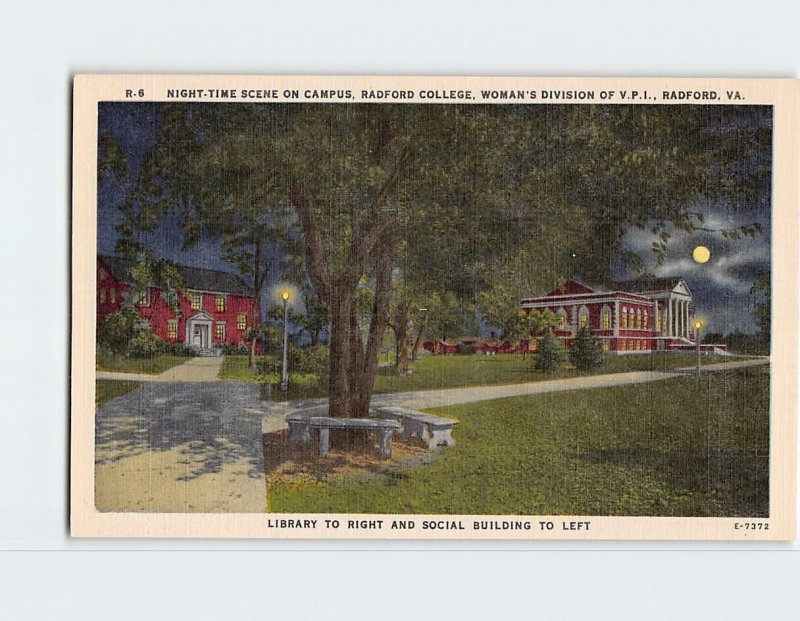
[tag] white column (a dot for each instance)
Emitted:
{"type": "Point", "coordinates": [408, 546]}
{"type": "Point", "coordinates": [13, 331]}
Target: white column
{"type": "Point", "coordinates": [669, 316]}
{"type": "Point", "coordinates": [686, 319]}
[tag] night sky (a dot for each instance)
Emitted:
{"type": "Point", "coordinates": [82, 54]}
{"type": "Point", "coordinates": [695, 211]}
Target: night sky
{"type": "Point", "coordinates": [721, 287]}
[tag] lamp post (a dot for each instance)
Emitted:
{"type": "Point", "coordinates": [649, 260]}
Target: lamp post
{"type": "Point", "coordinates": [697, 327]}
{"type": "Point", "coordinates": [285, 295]}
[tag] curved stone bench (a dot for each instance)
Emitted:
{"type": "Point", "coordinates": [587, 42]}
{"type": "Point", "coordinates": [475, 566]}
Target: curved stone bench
{"type": "Point", "coordinates": [434, 430]}
{"type": "Point", "coordinates": [301, 424]}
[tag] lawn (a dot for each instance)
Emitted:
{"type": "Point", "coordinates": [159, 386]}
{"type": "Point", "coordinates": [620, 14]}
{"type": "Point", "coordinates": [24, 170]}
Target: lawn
{"type": "Point", "coordinates": [432, 372]}
{"type": "Point", "coordinates": [150, 366]}
{"type": "Point", "coordinates": [679, 447]}
{"type": "Point", "coordinates": [106, 390]}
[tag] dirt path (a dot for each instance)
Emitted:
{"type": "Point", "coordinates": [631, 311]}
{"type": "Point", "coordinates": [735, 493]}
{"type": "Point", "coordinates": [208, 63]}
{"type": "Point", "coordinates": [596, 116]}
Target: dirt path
{"type": "Point", "coordinates": [199, 369]}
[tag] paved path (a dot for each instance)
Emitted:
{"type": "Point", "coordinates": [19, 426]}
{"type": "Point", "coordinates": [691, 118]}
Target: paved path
{"type": "Point", "coordinates": [199, 369]}
{"type": "Point", "coordinates": [423, 399]}
{"type": "Point", "coordinates": [181, 447]}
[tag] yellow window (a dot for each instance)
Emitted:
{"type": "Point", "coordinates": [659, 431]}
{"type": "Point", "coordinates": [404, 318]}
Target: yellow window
{"type": "Point", "coordinates": [583, 320]}
{"type": "Point", "coordinates": [625, 318]}
{"type": "Point", "coordinates": [219, 303]}
{"type": "Point", "coordinates": [196, 300]}
{"type": "Point", "coordinates": [241, 321]}
{"type": "Point", "coordinates": [645, 320]}
{"type": "Point", "coordinates": [219, 331]}
{"type": "Point", "coordinates": [622, 345]}
{"type": "Point", "coordinates": [172, 330]}
{"type": "Point", "coordinates": [144, 298]}
{"type": "Point", "coordinates": [605, 320]}
{"type": "Point", "coordinates": [606, 346]}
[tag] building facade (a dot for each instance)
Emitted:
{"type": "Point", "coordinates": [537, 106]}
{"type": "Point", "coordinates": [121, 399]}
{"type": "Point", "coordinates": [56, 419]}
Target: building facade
{"type": "Point", "coordinates": [636, 316]}
{"type": "Point", "coordinates": [215, 309]}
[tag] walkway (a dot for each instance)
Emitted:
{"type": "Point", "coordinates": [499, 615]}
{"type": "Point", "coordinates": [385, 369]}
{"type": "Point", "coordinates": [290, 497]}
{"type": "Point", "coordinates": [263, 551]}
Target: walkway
{"type": "Point", "coordinates": [181, 447]}
{"type": "Point", "coordinates": [423, 399]}
{"type": "Point", "coordinates": [199, 369]}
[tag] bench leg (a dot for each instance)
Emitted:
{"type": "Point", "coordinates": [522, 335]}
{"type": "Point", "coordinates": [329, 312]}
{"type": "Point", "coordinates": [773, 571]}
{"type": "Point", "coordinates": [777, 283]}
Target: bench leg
{"type": "Point", "coordinates": [440, 436]}
{"type": "Point", "coordinates": [385, 448]}
{"type": "Point", "coordinates": [300, 432]}
{"type": "Point", "coordinates": [324, 441]}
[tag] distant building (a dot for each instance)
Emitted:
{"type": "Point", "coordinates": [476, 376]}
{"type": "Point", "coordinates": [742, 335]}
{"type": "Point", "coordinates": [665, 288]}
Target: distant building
{"type": "Point", "coordinates": [217, 307]}
{"type": "Point", "coordinates": [652, 314]}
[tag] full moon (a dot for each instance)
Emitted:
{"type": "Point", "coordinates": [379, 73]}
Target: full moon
{"type": "Point", "coordinates": [701, 254]}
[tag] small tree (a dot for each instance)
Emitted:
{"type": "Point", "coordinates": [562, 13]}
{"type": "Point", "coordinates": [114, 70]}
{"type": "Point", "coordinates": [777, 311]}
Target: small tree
{"type": "Point", "coordinates": [585, 352]}
{"type": "Point", "coordinates": [551, 353]}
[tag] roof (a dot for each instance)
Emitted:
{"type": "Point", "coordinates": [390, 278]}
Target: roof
{"type": "Point", "coordinates": [648, 283]}
{"type": "Point", "coordinates": [195, 278]}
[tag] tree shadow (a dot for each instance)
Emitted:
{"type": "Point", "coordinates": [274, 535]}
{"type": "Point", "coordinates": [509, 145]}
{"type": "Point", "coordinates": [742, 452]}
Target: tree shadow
{"type": "Point", "coordinates": [738, 478]}
{"type": "Point", "coordinates": [211, 424]}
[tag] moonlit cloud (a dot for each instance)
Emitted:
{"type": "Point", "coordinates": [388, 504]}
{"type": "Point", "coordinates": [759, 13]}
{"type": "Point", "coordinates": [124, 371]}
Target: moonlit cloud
{"type": "Point", "coordinates": [721, 287]}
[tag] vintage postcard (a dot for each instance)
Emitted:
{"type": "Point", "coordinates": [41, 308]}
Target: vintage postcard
{"type": "Point", "coordinates": [434, 307]}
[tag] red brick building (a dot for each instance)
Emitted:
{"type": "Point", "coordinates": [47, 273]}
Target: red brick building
{"type": "Point", "coordinates": [645, 315]}
{"type": "Point", "coordinates": [216, 309]}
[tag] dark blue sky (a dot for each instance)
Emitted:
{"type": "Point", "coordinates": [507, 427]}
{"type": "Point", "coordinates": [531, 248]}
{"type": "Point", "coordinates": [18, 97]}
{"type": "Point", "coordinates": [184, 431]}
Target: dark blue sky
{"type": "Point", "coordinates": [721, 287]}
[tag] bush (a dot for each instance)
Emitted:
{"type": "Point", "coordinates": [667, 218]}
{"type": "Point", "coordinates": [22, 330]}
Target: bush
{"type": "Point", "coordinates": [311, 360]}
{"type": "Point", "coordinates": [464, 349]}
{"type": "Point", "coordinates": [269, 365]}
{"type": "Point", "coordinates": [585, 352]}
{"type": "Point", "coordinates": [145, 344]}
{"type": "Point", "coordinates": [125, 333]}
{"type": "Point", "coordinates": [235, 349]}
{"type": "Point", "coordinates": [551, 353]}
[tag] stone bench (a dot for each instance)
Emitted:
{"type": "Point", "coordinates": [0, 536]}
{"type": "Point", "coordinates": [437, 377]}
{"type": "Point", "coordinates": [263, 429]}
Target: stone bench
{"type": "Point", "coordinates": [434, 430]}
{"type": "Point", "coordinates": [301, 424]}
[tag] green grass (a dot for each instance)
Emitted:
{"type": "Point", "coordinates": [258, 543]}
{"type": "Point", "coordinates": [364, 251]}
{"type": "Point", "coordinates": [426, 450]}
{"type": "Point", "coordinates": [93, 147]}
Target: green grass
{"type": "Point", "coordinates": [432, 372]}
{"type": "Point", "coordinates": [150, 366]}
{"type": "Point", "coordinates": [679, 447]}
{"type": "Point", "coordinates": [106, 390]}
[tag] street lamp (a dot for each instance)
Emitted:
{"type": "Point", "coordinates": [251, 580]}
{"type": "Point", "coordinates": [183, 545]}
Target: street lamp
{"type": "Point", "coordinates": [697, 327]}
{"type": "Point", "coordinates": [285, 295]}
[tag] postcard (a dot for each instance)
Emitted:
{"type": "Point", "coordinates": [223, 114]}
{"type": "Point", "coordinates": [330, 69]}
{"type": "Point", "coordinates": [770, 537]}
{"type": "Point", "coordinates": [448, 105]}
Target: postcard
{"type": "Point", "coordinates": [366, 307]}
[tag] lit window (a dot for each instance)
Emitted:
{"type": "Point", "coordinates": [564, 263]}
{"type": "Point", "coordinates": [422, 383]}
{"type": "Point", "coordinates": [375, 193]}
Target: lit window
{"type": "Point", "coordinates": [622, 345]}
{"type": "Point", "coordinates": [606, 346]}
{"type": "Point", "coordinates": [172, 329]}
{"type": "Point", "coordinates": [624, 317]}
{"type": "Point", "coordinates": [562, 317]}
{"type": "Point", "coordinates": [196, 300]}
{"type": "Point", "coordinates": [605, 319]}
{"type": "Point", "coordinates": [583, 318]}
{"type": "Point", "coordinates": [219, 303]}
{"type": "Point", "coordinates": [102, 296]}
{"type": "Point", "coordinates": [638, 319]}
{"type": "Point", "coordinates": [219, 331]}
{"type": "Point", "coordinates": [645, 320]}
{"type": "Point", "coordinates": [241, 321]}
{"type": "Point", "coordinates": [144, 298]}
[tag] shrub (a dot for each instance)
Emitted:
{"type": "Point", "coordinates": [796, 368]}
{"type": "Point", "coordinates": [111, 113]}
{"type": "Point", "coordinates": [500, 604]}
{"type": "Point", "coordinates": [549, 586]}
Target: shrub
{"type": "Point", "coordinates": [125, 333]}
{"type": "Point", "coordinates": [145, 344]}
{"type": "Point", "coordinates": [311, 360]}
{"type": "Point", "coordinates": [269, 365]}
{"type": "Point", "coordinates": [585, 352]}
{"type": "Point", "coordinates": [235, 349]}
{"type": "Point", "coordinates": [551, 353]}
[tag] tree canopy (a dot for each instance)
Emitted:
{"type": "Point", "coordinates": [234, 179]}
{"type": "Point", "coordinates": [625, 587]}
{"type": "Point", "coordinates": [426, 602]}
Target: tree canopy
{"type": "Point", "coordinates": [454, 199]}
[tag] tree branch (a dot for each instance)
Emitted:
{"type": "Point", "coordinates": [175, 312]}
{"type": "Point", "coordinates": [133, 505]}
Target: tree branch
{"type": "Point", "coordinates": [317, 268]}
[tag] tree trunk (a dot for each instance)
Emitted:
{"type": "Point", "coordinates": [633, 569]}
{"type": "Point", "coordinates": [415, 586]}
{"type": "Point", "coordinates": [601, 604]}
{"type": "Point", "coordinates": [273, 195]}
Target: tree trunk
{"type": "Point", "coordinates": [402, 365]}
{"type": "Point", "coordinates": [339, 383]}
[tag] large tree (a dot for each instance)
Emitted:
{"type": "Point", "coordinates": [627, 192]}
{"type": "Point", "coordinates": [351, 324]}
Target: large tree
{"type": "Point", "coordinates": [463, 193]}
